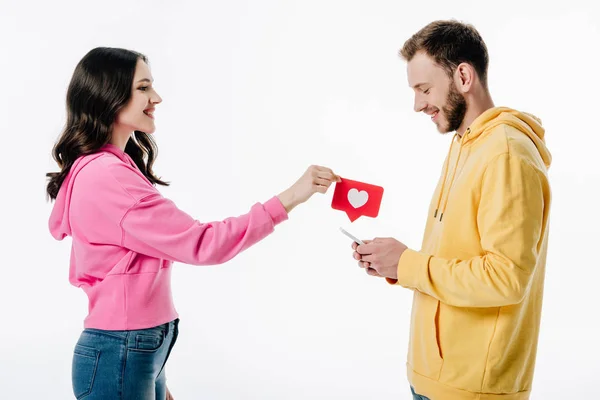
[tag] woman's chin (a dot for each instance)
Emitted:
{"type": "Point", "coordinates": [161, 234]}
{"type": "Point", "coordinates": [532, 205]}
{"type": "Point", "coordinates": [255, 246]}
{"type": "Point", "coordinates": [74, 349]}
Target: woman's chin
{"type": "Point", "coordinates": [149, 129]}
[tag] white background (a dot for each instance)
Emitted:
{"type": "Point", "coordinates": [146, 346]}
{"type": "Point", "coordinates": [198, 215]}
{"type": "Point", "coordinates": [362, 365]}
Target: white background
{"type": "Point", "coordinates": [254, 92]}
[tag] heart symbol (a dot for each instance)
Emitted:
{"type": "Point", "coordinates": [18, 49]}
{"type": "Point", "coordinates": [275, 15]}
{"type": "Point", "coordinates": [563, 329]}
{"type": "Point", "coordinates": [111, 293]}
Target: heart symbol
{"type": "Point", "coordinates": [358, 199]}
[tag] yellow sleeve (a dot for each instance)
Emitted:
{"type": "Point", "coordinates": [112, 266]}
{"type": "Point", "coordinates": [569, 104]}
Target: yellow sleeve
{"type": "Point", "coordinates": [511, 218]}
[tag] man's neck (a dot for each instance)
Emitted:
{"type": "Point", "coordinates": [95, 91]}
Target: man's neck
{"type": "Point", "coordinates": [476, 106]}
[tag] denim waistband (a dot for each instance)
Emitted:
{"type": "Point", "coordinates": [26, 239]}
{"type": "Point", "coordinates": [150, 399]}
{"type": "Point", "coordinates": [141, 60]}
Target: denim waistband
{"type": "Point", "coordinates": [166, 328]}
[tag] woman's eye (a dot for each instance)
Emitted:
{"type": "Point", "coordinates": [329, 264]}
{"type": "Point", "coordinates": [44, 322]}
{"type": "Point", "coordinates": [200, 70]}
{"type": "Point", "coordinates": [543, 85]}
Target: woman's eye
{"type": "Point", "coordinates": [427, 91]}
{"type": "Point", "coordinates": [143, 88]}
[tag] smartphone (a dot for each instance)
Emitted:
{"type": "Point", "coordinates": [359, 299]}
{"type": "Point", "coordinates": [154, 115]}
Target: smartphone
{"type": "Point", "coordinates": [357, 240]}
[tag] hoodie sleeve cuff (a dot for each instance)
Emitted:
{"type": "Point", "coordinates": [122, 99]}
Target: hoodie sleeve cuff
{"type": "Point", "coordinates": [276, 210]}
{"type": "Point", "coordinates": [410, 265]}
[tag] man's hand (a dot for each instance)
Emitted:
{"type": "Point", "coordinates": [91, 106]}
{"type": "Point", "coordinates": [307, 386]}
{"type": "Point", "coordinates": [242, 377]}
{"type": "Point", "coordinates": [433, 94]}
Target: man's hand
{"type": "Point", "coordinates": [380, 256]}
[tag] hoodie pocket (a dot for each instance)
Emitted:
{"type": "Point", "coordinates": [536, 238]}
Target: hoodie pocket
{"type": "Point", "coordinates": [424, 353]}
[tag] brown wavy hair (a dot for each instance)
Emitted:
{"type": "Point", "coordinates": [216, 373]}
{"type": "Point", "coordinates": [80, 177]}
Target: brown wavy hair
{"type": "Point", "coordinates": [100, 87]}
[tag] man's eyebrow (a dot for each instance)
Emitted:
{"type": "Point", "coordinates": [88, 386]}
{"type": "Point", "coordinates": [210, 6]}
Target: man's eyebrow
{"type": "Point", "coordinates": [418, 85]}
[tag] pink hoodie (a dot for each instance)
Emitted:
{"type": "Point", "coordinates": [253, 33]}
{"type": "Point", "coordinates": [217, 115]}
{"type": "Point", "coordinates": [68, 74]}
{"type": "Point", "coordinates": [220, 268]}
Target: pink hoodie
{"type": "Point", "coordinates": [126, 237]}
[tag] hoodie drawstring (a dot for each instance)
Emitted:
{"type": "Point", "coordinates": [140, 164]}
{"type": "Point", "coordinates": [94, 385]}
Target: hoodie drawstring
{"type": "Point", "coordinates": [443, 209]}
{"type": "Point", "coordinates": [445, 172]}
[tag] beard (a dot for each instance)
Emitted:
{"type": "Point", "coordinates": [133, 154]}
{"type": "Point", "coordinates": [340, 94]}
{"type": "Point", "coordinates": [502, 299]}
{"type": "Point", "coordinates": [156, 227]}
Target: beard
{"type": "Point", "coordinates": [454, 110]}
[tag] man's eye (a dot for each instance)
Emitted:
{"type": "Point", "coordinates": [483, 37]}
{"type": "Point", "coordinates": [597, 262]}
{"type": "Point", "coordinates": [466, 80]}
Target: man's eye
{"type": "Point", "coordinates": [426, 91]}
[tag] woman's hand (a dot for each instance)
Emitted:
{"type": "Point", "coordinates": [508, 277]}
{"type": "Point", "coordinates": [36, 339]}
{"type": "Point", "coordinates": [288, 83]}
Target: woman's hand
{"type": "Point", "coordinates": [315, 179]}
{"type": "Point", "coordinates": [169, 395]}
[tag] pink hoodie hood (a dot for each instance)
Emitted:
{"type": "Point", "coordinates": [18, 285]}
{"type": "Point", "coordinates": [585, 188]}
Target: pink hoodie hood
{"type": "Point", "coordinates": [59, 219]}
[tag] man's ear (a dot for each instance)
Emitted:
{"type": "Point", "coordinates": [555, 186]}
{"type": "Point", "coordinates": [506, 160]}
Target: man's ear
{"type": "Point", "coordinates": [464, 77]}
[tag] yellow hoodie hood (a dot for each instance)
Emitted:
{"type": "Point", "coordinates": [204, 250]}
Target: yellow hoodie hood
{"type": "Point", "coordinates": [525, 122]}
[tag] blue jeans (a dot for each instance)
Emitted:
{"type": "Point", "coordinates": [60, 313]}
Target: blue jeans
{"type": "Point", "coordinates": [417, 396]}
{"type": "Point", "coordinates": [123, 364]}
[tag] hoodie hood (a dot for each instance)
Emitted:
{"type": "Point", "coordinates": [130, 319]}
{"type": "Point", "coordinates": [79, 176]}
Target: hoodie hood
{"type": "Point", "coordinates": [527, 123]}
{"type": "Point", "coordinates": [59, 218]}
{"type": "Point", "coordinates": [59, 221]}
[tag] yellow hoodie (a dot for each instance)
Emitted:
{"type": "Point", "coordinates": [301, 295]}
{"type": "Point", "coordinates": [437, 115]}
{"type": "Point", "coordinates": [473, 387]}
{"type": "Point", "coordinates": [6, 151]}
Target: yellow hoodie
{"type": "Point", "coordinates": [478, 279]}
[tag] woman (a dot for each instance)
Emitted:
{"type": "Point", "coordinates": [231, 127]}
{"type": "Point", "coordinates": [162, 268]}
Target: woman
{"type": "Point", "coordinates": [126, 236]}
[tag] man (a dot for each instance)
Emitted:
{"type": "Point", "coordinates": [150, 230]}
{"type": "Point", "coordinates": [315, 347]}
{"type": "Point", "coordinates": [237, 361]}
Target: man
{"type": "Point", "coordinates": [478, 278]}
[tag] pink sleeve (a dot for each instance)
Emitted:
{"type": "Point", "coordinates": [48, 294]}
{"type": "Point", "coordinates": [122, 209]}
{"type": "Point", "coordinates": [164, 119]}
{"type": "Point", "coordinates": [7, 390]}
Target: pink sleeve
{"type": "Point", "coordinates": [156, 227]}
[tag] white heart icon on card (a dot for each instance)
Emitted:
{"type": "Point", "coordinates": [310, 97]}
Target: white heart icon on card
{"type": "Point", "coordinates": [358, 199]}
